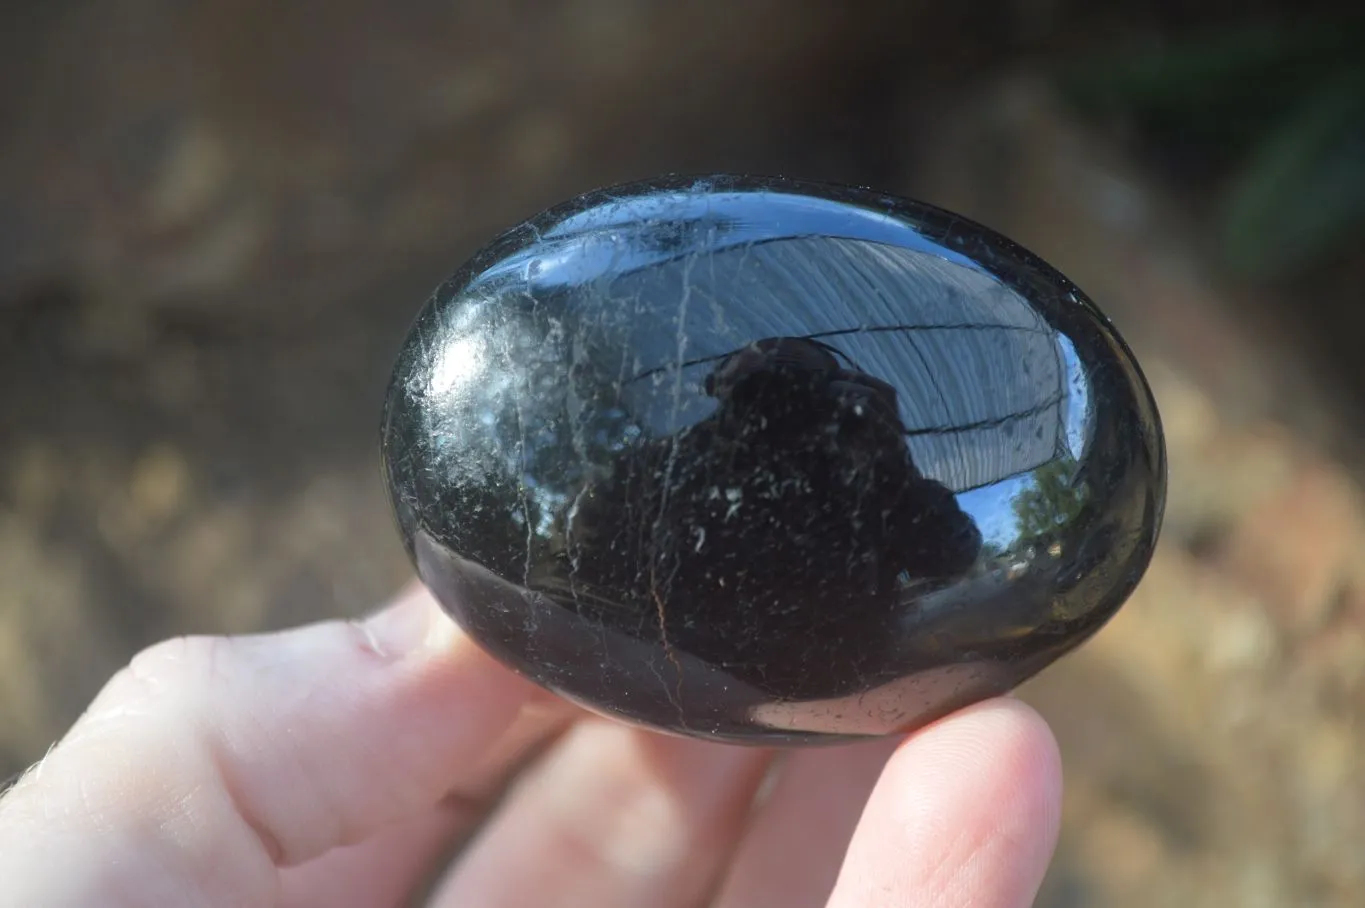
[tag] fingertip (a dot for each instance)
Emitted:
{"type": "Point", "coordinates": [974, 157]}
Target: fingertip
{"type": "Point", "coordinates": [410, 622]}
{"type": "Point", "coordinates": [1002, 741]}
{"type": "Point", "coordinates": [992, 770]}
{"type": "Point", "coordinates": [966, 812]}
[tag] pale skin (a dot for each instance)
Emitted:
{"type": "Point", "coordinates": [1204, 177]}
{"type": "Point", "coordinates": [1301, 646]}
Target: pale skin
{"type": "Point", "coordinates": [342, 763]}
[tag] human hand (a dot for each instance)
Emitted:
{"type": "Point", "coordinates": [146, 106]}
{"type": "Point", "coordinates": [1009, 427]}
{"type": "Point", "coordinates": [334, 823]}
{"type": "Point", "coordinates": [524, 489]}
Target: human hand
{"type": "Point", "coordinates": [337, 765]}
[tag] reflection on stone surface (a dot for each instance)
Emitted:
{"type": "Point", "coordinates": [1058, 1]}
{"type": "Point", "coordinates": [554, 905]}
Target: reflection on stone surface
{"type": "Point", "coordinates": [764, 461]}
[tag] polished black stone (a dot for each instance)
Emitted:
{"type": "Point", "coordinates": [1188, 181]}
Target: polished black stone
{"type": "Point", "coordinates": [765, 461]}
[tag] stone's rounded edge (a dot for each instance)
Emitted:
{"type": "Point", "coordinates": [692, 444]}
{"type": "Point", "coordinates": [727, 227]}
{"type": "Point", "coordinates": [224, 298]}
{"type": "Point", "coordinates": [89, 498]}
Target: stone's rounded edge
{"type": "Point", "coordinates": [459, 586]}
{"type": "Point", "coordinates": [1144, 421]}
{"type": "Point", "coordinates": [1066, 307]}
{"type": "Point", "coordinates": [1072, 312]}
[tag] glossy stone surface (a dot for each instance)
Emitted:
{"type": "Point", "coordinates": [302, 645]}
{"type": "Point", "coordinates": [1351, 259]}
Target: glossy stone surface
{"type": "Point", "coordinates": [771, 462]}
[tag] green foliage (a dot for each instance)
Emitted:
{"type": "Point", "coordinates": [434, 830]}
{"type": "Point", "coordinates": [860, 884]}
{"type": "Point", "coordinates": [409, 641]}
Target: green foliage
{"type": "Point", "coordinates": [1051, 502]}
{"type": "Point", "coordinates": [1300, 195]}
{"type": "Point", "coordinates": [1279, 113]}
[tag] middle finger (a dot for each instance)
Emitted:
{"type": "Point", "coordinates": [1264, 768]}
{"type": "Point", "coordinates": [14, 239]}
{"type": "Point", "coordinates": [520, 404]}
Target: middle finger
{"type": "Point", "coordinates": [613, 817]}
{"type": "Point", "coordinates": [796, 841]}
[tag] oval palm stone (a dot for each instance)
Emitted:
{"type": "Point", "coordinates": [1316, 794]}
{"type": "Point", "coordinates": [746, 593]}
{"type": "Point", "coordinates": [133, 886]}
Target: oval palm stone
{"type": "Point", "coordinates": [770, 462]}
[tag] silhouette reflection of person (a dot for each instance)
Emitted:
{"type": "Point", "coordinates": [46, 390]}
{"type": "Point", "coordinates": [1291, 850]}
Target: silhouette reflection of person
{"type": "Point", "coordinates": [773, 537]}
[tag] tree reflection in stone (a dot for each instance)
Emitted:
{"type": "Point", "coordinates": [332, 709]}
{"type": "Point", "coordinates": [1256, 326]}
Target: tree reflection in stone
{"type": "Point", "coordinates": [1050, 504]}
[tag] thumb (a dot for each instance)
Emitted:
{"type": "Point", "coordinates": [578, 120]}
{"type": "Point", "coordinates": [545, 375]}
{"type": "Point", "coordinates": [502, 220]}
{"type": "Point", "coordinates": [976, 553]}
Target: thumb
{"type": "Point", "coordinates": [209, 762]}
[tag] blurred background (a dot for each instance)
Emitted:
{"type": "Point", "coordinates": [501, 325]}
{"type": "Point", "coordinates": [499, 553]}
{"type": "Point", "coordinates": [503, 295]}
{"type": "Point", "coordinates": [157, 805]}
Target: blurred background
{"type": "Point", "coordinates": [218, 218]}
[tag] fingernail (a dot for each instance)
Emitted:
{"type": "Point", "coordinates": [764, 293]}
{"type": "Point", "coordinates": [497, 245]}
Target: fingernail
{"type": "Point", "coordinates": [412, 623]}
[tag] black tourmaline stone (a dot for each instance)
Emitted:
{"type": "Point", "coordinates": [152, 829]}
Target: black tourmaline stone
{"type": "Point", "coordinates": [770, 462]}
